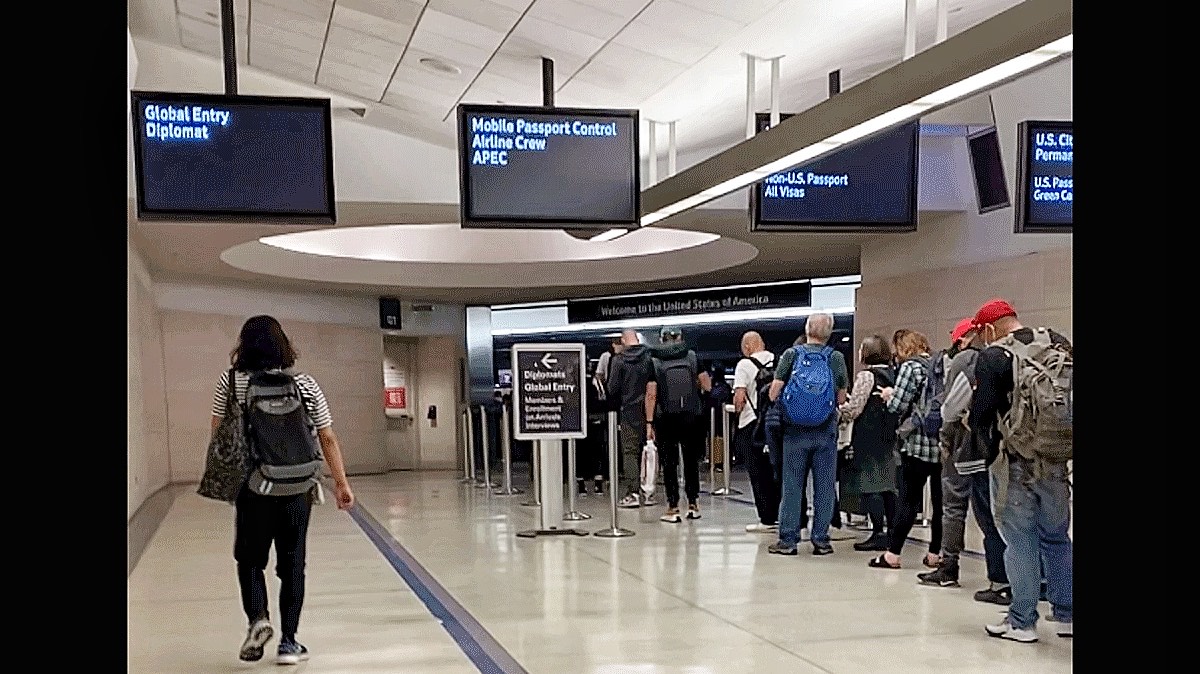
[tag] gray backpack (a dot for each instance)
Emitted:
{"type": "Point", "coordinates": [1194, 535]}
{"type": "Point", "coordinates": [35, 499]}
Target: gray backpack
{"type": "Point", "coordinates": [283, 440]}
{"type": "Point", "coordinates": [1039, 423]}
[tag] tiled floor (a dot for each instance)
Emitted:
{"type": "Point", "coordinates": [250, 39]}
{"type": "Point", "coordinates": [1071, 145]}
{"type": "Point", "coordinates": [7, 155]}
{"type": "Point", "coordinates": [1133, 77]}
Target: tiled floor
{"type": "Point", "coordinates": [690, 598]}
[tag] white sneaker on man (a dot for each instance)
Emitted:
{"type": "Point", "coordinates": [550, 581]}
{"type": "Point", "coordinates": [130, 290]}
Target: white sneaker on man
{"type": "Point", "coordinates": [1005, 630]}
{"type": "Point", "coordinates": [760, 528]}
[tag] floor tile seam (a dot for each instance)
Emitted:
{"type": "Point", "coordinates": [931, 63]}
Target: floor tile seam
{"type": "Point", "coordinates": [705, 610]}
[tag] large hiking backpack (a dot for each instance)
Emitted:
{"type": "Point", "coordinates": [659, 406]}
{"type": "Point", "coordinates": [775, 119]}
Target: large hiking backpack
{"type": "Point", "coordinates": [809, 397]}
{"type": "Point", "coordinates": [1039, 423]}
{"type": "Point", "coordinates": [283, 439]}
{"type": "Point", "coordinates": [927, 412]}
{"type": "Point", "coordinates": [677, 389]}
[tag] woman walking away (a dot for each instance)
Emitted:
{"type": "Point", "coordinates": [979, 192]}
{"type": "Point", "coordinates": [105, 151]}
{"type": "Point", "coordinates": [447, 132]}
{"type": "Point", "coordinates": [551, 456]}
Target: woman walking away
{"type": "Point", "coordinates": [871, 468]}
{"type": "Point", "coordinates": [275, 503]}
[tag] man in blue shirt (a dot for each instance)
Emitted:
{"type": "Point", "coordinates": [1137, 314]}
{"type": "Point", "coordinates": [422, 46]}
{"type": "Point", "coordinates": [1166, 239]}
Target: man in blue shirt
{"type": "Point", "coordinates": [809, 448]}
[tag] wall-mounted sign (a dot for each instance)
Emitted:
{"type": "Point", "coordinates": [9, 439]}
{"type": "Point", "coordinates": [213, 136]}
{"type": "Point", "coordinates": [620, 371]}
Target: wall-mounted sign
{"type": "Point", "coordinates": [395, 398]}
{"type": "Point", "coordinates": [771, 296]}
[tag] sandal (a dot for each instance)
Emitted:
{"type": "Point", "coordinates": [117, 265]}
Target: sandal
{"type": "Point", "coordinates": [881, 562]}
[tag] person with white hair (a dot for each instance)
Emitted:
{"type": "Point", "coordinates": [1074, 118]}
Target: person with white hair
{"type": "Point", "coordinates": [812, 379]}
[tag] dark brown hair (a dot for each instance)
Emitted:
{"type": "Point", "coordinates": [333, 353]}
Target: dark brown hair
{"type": "Point", "coordinates": [876, 351]}
{"type": "Point", "coordinates": [262, 345]}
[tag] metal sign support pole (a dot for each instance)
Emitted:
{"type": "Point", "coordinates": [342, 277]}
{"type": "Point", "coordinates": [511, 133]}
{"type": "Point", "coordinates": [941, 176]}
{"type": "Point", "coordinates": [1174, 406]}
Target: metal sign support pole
{"type": "Point", "coordinates": [506, 449]}
{"type": "Point", "coordinates": [613, 531]}
{"type": "Point", "coordinates": [572, 514]}
{"type": "Point", "coordinates": [712, 449]}
{"type": "Point", "coordinates": [536, 492]}
{"type": "Point", "coordinates": [550, 515]}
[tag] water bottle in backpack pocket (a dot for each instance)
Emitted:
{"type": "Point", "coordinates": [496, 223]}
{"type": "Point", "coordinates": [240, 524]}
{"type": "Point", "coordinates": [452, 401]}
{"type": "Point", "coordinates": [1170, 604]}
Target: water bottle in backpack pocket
{"type": "Point", "coordinates": [809, 397]}
{"type": "Point", "coordinates": [283, 439]}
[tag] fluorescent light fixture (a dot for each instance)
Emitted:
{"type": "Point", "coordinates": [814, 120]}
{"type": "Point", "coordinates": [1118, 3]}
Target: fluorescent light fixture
{"type": "Point", "coordinates": [636, 323]}
{"type": "Point", "coordinates": [609, 235]}
{"type": "Point", "coordinates": [1007, 31]}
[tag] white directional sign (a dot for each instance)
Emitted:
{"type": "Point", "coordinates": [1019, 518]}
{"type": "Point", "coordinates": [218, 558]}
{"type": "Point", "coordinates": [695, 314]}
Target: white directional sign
{"type": "Point", "coordinates": [549, 391]}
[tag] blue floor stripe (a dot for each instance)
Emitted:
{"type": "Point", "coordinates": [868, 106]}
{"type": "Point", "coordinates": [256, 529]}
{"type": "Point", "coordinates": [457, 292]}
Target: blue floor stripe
{"type": "Point", "coordinates": [479, 646]}
{"type": "Point", "coordinates": [911, 540]}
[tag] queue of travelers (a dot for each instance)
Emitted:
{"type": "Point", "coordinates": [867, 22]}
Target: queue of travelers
{"type": "Point", "coordinates": [985, 422]}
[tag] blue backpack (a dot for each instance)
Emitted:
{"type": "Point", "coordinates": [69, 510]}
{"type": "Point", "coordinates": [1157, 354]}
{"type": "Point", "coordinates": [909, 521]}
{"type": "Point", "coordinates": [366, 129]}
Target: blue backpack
{"type": "Point", "coordinates": [809, 397]}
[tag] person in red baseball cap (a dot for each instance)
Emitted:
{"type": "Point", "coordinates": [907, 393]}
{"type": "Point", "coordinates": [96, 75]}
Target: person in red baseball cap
{"type": "Point", "coordinates": [1031, 496]}
{"type": "Point", "coordinates": [965, 477]}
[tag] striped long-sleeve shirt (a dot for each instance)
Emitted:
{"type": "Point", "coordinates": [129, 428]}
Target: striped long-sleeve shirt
{"type": "Point", "coordinates": [910, 381]}
{"type": "Point", "coordinates": [314, 399]}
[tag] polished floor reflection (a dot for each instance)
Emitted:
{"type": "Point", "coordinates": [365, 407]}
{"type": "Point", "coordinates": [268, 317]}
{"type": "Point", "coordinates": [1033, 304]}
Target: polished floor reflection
{"type": "Point", "coordinates": [697, 597]}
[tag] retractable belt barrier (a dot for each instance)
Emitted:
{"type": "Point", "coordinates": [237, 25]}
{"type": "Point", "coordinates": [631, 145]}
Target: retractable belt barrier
{"type": "Point", "coordinates": [613, 530]}
{"type": "Point", "coordinates": [506, 451]}
{"type": "Point", "coordinates": [726, 451]}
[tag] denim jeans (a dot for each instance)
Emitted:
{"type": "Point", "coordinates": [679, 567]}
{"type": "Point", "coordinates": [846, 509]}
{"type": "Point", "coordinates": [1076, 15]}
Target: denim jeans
{"type": "Point", "coordinates": [807, 449]}
{"type": "Point", "coordinates": [1034, 526]}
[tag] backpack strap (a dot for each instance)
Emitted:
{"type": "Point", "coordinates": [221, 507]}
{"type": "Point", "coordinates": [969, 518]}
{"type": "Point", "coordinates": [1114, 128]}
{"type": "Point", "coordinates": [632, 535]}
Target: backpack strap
{"type": "Point", "coordinates": [827, 351]}
{"type": "Point", "coordinates": [231, 381]}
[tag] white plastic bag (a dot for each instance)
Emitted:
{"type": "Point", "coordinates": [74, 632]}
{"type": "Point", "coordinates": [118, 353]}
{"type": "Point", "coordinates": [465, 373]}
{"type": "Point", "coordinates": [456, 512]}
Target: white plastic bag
{"type": "Point", "coordinates": [649, 468]}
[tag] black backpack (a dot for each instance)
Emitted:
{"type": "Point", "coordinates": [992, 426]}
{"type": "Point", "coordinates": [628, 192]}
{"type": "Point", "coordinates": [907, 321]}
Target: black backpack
{"type": "Point", "coordinates": [677, 389]}
{"type": "Point", "coordinates": [282, 438]}
{"type": "Point", "coordinates": [762, 387]}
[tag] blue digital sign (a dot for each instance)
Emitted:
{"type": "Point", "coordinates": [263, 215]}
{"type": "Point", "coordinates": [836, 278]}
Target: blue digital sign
{"type": "Point", "coordinates": [215, 157]}
{"type": "Point", "coordinates": [1045, 179]}
{"type": "Point", "coordinates": [868, 185]}
{"type": "Point", "coordinates": [527, 167]}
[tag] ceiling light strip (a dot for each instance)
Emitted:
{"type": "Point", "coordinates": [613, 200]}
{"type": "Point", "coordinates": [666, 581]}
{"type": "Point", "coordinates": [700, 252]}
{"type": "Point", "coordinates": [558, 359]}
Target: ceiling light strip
{"type": "Point", "coordinates": [1017, 41]}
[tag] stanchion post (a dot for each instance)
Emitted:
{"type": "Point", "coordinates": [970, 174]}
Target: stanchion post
{"type": "Point", "coordinates": [572, 514]}
{"type": "Point", "coordinates": [726, 490]}
{"type": "Point", "coordinates": [712, 449]}
{"type": "Point", "coordinates": [471, 443]}
{"type": "Point", "coordinates": [464, 422]}
{"type": "Point", "coordinates": [506, 451]}
{"type": "Point", "coordinates": [613, 531]}
{"type": "Point", "coordinates": [484, 440]}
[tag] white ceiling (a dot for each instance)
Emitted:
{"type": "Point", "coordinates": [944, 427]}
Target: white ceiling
{"type": "Point", "coordinates": [672, 59]}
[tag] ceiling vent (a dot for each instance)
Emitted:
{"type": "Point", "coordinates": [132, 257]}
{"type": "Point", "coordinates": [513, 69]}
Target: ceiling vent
{"type": "Point", "coordinates": [440, 66]}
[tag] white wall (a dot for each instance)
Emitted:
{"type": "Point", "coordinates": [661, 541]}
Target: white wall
{"type": "Point", "coordinates": [148, 461]}
{"type": "Point", "coordinates": [437, 362]}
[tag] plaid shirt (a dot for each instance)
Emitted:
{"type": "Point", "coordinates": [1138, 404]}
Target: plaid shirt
{"type": "Point", "coordinates": [910, 382]}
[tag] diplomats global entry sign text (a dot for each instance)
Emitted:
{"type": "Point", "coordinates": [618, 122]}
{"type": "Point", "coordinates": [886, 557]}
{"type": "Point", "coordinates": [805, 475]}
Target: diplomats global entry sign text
{"type": "Point", "coordinates": [781, 296]}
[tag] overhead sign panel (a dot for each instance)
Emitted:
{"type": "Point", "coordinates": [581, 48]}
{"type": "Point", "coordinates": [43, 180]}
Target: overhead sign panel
{"type": "Point", "coordinates": [535, 167]}
{"type": "Point", "coordinates": [218, 157]}
{"type": "Point", "coordinates": [549, 391]}
{"type": "Point", "coordinates": [775, 296]}
{"type": "Point", "coordinates": [1045, 177]}
{"type": "Point", "coordinates": [869, 185]}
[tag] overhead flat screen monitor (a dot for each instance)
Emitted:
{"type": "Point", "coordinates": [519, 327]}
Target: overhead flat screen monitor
{"type": "Point", "coordinates": [867, 186]}
{"type": "Point", "coordinates": [216, 157]}
{"type": "Point", "coordinates": [987, 167]}
{"type": "Point", "coordinates": [1045, 184]}
{"type": "Point", "coordinates": [531, 167]}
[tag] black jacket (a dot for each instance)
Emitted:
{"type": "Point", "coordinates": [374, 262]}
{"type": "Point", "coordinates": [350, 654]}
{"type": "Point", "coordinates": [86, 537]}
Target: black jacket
{"type": "Point", "coordinates": [627, 380]}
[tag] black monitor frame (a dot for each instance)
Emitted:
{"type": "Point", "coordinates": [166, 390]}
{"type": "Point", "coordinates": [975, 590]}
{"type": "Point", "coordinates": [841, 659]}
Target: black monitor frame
{"type": "Point", "coordinates": [757, 224]}
{"type": "Point", "coordinates": [1022, 223]}
{"type": "Point", "coordinates": [501, 222]}
{"type": "Point", "coordinates": [241, 215]}
{"type": "Point", "coordinates": [991, 130]}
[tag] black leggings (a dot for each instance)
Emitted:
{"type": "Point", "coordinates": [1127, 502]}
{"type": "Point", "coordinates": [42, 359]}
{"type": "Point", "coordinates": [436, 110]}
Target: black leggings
{"type": "Point", "coordinates": [880, 506]}
{"type": "Point", "coordinates": [914, 474]}
{"type": "Point", "coordinates": [261, 520]}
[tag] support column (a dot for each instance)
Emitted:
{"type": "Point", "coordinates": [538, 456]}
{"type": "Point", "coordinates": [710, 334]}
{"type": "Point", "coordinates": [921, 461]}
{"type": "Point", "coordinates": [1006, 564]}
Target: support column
{"type": "Point", "coordinates": [910, 29]}
{"type": "Point", "coordinates": [775, 91]}
{"type": "Point", "coordinates": [943, 21]}
{"type": "Point", "coordinates": [670, 149]}
{"type": "Point", "coordinates": [652, 139]}
{"type": "Point", "coordinates": [750, 127]}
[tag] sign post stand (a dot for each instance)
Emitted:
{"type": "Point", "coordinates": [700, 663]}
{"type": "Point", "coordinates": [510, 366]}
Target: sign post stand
{"type": "Point", "coordinates": [549, 406]}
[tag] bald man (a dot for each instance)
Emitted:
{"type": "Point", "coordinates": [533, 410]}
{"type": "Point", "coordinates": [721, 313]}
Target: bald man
{"type": "Point", "coordinates": [756, 368]}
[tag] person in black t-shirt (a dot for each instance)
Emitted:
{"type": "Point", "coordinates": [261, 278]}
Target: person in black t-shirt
{"type": "Point", "coordinates": [1032, 507]}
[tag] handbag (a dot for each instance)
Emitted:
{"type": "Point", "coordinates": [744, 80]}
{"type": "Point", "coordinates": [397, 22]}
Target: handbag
{"type": "Point", "coordinates": [227, 464]}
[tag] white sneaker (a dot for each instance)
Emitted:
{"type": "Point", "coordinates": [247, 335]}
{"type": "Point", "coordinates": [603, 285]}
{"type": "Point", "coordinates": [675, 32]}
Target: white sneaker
{"type": "Point", "coordinates": [1065, 630]}
{"type": "Point", "coordinates": [256, 637]}
{"type": "Point", "coordinates": [1006, 631]}
{"type": "Point", "coordinates": [630, 501]}
{"type": "Point", "coordinates": [760, 528]}
{"type": "Point", "coordinates": [649, 500]}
